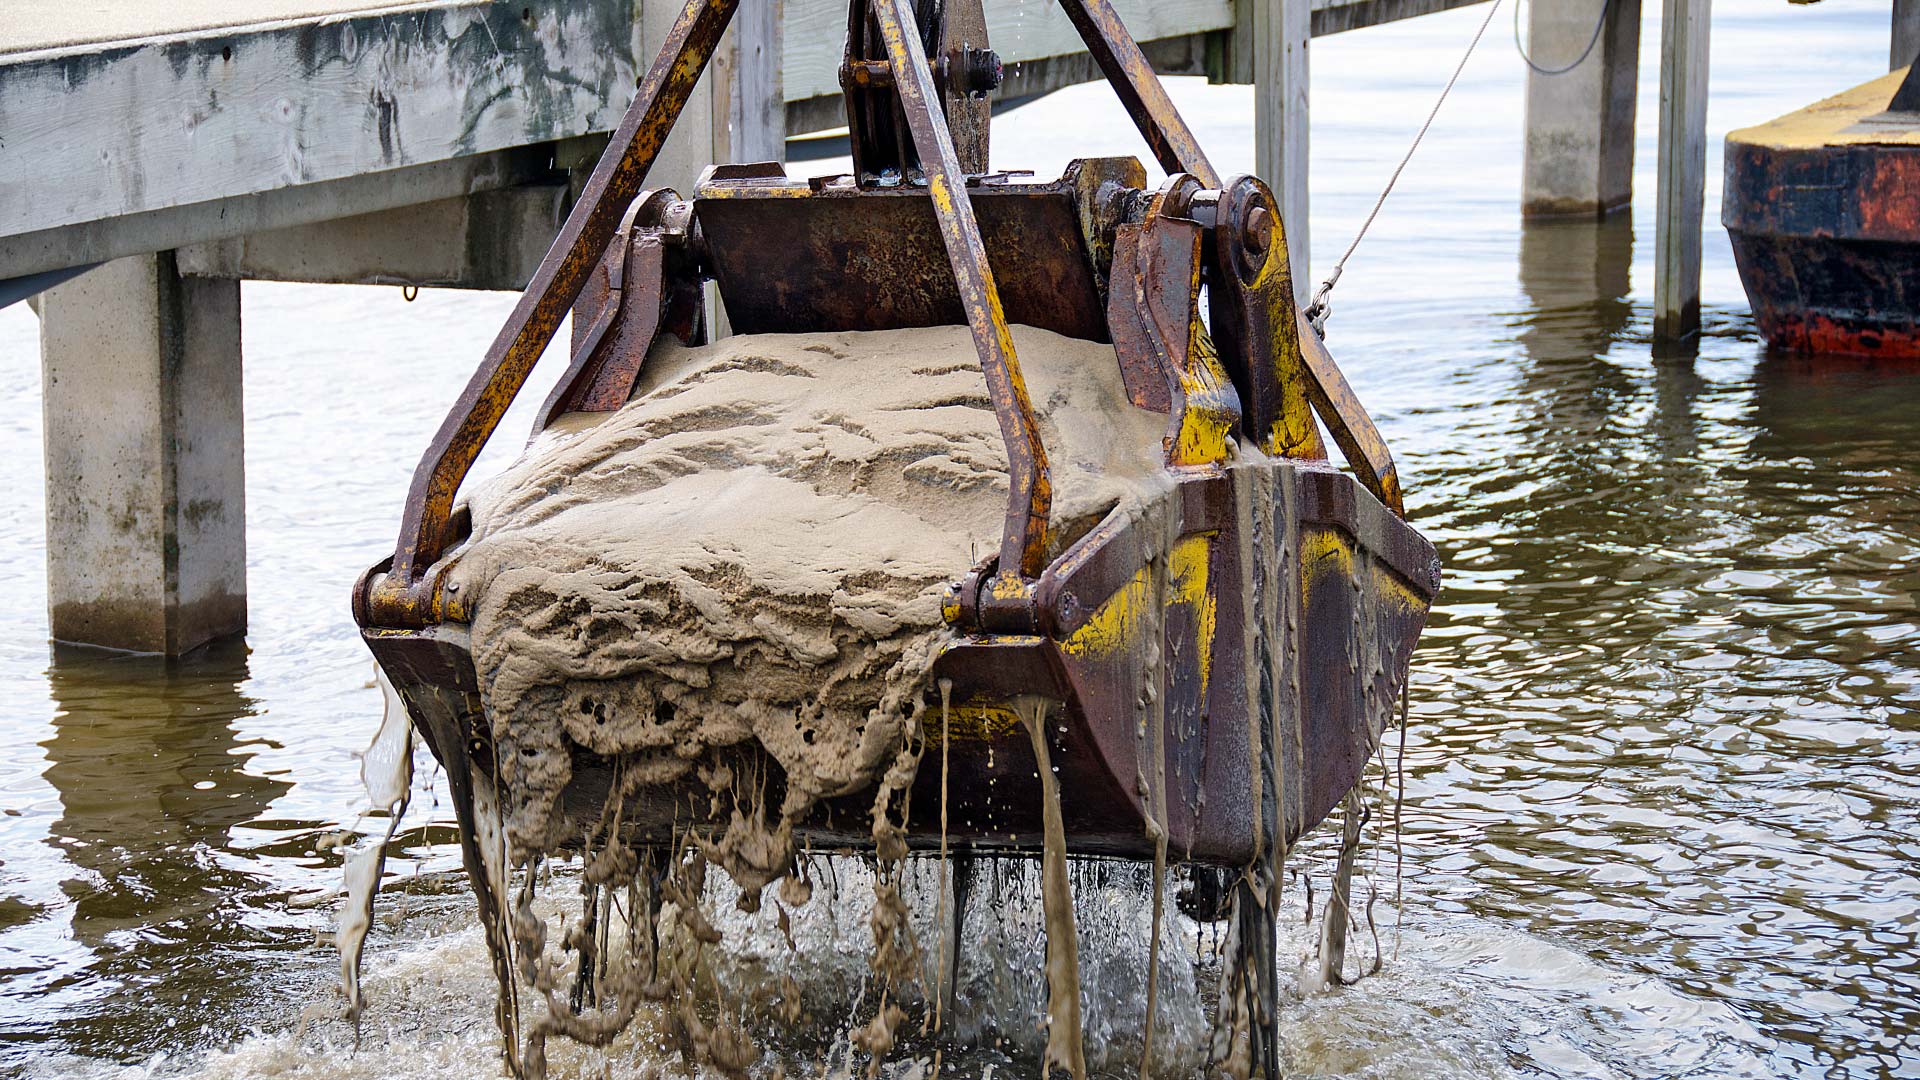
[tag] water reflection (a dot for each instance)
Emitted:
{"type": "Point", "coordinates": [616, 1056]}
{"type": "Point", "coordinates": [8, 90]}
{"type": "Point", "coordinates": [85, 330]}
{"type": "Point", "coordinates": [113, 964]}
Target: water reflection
{"type": "Point", "coordinates": [1576, 276]}
{"type": "Point", "coordinates": [1675, 666]}
{"type": "Point", "coordinates": [153, 783]}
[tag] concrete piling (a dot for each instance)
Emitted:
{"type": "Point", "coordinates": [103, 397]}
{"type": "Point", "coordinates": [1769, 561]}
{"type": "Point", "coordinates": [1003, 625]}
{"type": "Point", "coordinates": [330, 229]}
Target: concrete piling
{"type": "Point", "coordinates": [146, 484]}
{"type": "Point", "coordinates": [1580, 112]}
{"type": "Point", "coordinates": [1906, 34]}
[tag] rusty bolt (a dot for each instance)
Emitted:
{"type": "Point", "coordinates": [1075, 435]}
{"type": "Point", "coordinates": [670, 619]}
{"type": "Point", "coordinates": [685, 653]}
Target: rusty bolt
{"type": "Point", "coordinates": [1256, 237]}
{"type": "Point", "coordinates": [984, 71]}
{"type": "Point", "coordinates": [1259, 230]}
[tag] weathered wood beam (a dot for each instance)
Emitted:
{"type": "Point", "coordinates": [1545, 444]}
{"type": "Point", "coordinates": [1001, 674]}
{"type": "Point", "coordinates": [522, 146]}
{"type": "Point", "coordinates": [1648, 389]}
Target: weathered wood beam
{"type": "Point", "coordinates": [94, 132]}
{"type": "Point", "coordinates": [1339, 16]}
{"type": "Point", "coordinates": [1683, 169]}
{"type": "Point", "coordinates": [1233, 49]}
{"type": "Point", "coordinates": [1281, 89]}
{"type": "Point", "coordinates": [1189, 55]}
{"type": "Point", "coordinates": [747, 87]}
{"type": "Point", "coordinates": [1019, 30]}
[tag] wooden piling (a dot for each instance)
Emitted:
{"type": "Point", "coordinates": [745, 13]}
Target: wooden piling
{"type": "Point", "coordinates": [1682, 171]}
{"type": "Point", "coordinates": [1281, 30]}
{"type": "Point", "coordinates": [747, 93]}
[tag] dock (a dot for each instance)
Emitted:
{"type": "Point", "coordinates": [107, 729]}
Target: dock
{"type": "Point", "coordinates": [153, 156]}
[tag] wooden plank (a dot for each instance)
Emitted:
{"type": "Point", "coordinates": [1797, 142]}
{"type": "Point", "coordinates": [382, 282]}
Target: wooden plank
{"type": "Point", "coordinates": [1683, 169]}
{"type": "Point", "coordinates": [747, 92]}
{"type": "Point", "coordinates": [91, 132]}
{"type": "Point", "coordinates": [1233, 61]}
{"type": "Point", "coordinates": [1019, 30]}
{"type": "Point", "coordinates": [1169, 56]}
{"type": "Point", "coordinates": [1339, 16]}
{"type": "Point", "coordinates": [1281, 31]}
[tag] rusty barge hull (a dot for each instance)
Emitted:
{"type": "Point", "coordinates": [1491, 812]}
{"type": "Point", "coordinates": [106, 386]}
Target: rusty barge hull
{"type": "Point", "coordinates": [1823, 209]}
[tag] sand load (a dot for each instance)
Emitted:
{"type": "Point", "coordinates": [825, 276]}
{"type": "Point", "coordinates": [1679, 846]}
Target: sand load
{"type": "Point", "coordinates": [751, 555]}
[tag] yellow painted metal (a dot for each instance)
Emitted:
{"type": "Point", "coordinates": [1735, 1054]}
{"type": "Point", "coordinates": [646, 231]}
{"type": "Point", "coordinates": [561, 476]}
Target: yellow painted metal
{"type": "Point", "coordinates": [1292, 433]}
{"type": "Point", "coordinates": [979, 722]}
{"type": "Point", "coordinates": [1205, 436]}
{"type": "Point", "coordinates": [1347, 421]}
{"type": "Point", "coordinates": [1189, 583]}
{"type": "Point", "coordinates": [1023, 552]}
{"type": "Point", "coordinates": [1117, 623]}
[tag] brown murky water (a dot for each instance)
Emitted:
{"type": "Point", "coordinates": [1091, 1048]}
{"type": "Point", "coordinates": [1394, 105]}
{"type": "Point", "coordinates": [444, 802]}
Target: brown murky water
{"type": "Point", "coordinates": [1663, 773]}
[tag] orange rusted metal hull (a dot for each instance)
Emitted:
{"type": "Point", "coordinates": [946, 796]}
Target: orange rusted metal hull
{"type": "Point", "coordinates": [1823, 209]}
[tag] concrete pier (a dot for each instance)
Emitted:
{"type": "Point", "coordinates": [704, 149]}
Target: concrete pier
{"type": "Point", "coordinates": [1580, 115]}
{"type": "Point", "coordinates": [146, 483]}
{"type": "Point", "coordinates": [441, 142]}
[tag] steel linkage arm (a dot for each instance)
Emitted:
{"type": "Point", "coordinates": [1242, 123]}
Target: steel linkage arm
{"type": "Point", "coordinates": [403, 598]}
{"type": "Point", "coordinates": [1132, 77]}
{"type": "Point", "coordinates": [1347, 420]}
{"type": "Point", "coordinates": [1274, 354]}
{"type": "Point", "coordinates": [1023, 544]}
{"type": "Point", "coordinates": [1275, 411]}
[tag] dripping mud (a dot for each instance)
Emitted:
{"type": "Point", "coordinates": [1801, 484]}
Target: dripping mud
{"type": "Point", "coordinates": [725, 600]}
{"type": "Point", "coordinates": [707, 624]}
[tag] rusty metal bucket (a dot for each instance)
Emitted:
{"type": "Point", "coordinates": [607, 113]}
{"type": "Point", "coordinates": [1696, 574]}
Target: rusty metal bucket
{"type": "Point", "coordinates": [1248, 632]}
{"type": "Point", "coordinates": [1214, 668]}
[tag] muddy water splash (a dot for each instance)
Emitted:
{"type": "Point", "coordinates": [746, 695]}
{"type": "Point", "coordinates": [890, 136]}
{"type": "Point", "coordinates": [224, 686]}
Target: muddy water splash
{"type": "Point", "coordinates": [1064, 1049]}
{"type": "Point", "coordinates": [386, 771]}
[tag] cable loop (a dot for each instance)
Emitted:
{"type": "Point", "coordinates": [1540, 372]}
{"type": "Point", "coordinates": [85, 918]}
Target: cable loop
{"type": "Point", "coordinates": [1598, 26]}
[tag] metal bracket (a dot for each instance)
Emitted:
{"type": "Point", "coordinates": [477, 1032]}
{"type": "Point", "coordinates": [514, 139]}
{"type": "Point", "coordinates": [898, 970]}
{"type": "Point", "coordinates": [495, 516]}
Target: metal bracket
{"type": "Point", "coordinates": [645, 283]}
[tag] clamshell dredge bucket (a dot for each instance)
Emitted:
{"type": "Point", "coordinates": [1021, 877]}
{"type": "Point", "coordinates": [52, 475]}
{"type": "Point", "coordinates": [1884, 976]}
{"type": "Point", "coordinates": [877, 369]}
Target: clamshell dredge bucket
{"type": "Point", "coordinates": [1214, 666]}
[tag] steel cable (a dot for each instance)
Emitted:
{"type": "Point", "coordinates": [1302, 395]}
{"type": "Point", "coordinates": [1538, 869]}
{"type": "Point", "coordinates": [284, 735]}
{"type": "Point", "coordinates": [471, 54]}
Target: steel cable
{"type": "Point", "coordinates": [1318, 310]}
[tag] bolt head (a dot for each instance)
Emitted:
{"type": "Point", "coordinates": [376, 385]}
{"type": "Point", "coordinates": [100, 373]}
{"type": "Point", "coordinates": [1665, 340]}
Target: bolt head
{"type": "Point", "coordinates": [1259, 230]}
{"type": "Point", "coordinates": [984, 72]}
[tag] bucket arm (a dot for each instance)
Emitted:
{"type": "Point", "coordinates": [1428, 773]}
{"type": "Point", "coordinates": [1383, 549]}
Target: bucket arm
{"type": "Point", "coordinates": [404, 596]}
{"type": "Point", "coordinates": [1133, 78]}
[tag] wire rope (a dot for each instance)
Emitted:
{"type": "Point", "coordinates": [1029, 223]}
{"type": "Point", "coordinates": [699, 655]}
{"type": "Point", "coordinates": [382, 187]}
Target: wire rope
{"type": "Point", "coordinates": [1319, 309]}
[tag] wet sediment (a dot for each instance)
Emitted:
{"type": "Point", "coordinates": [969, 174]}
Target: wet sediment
{"type": "Point", "coordinates": [726, 598]}
{"type": "Point", "coordinates": [698, 621]}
